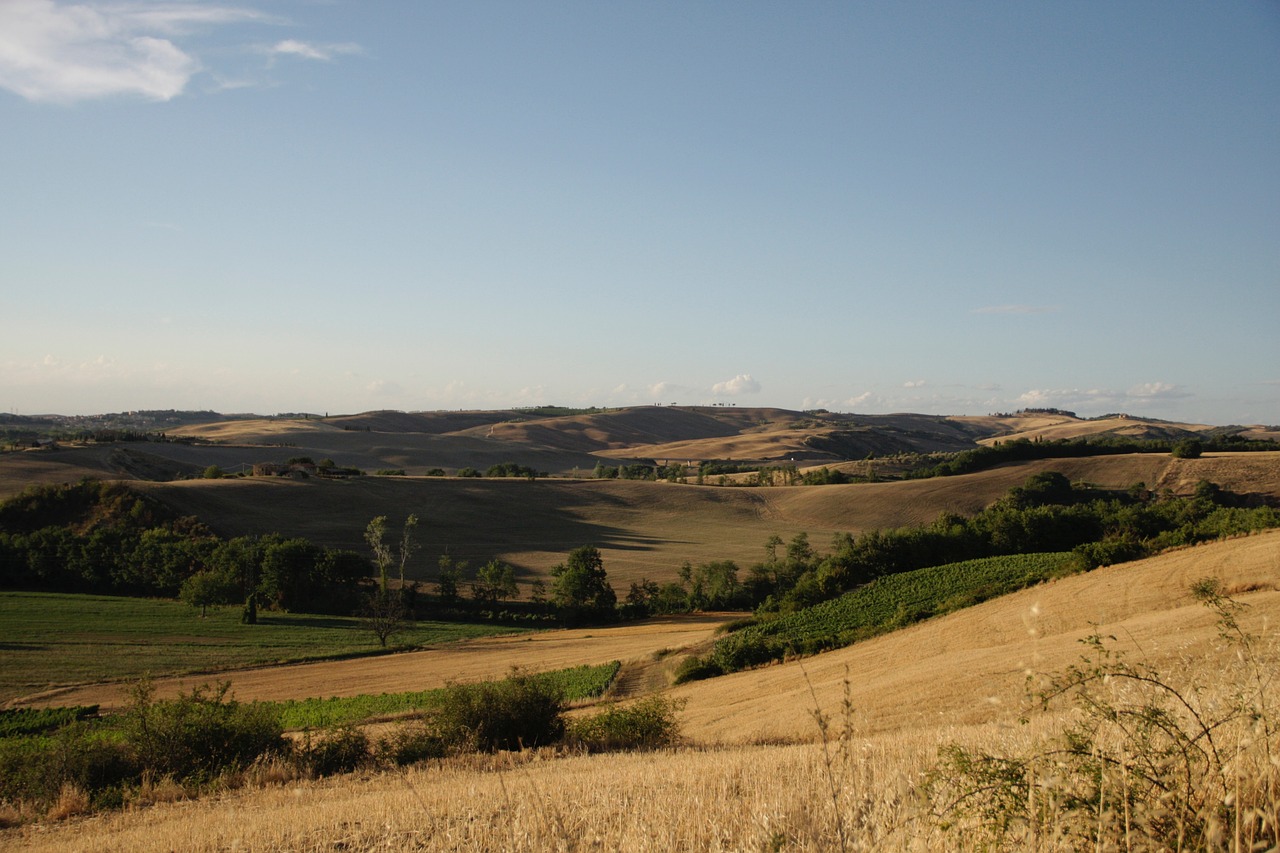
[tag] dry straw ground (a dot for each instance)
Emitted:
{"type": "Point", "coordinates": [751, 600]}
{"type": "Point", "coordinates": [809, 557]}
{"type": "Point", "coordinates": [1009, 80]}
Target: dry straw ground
{"type": "Point", "coordinates": [745, 783]}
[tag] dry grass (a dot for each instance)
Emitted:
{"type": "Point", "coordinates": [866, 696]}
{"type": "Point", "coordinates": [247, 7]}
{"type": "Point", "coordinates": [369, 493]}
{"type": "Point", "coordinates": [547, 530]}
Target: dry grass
{"type": "Point", "coordinates": [1052, 427]}
{"type": "Point", "coordinates": [969, 668]}
{"type": "Point", "coordinates": [961, 679]}
{"type": "Point", "coordinates": [72, 801]}
{"type": "Point", "coordinates": [728, 799]}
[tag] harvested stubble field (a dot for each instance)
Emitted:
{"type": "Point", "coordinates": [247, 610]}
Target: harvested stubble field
{"type": "Point", "coordinates": [751, 785]}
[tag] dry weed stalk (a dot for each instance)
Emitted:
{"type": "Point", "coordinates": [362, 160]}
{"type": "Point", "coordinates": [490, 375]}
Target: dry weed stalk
{"type": "Point", "coordinates": [72, 801]}
{"type": "Point", "coordinates": [1150, 760]}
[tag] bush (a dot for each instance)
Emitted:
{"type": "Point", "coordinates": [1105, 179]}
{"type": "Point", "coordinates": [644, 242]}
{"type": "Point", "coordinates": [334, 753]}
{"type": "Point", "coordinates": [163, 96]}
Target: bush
{"type": "Point", "coordinates": [647, 724]}
{"type": "Point", "coordinates": [35, 769]}
{"type": "Point", "coordinates": [340, 750]}
{"type": "Point", "coordinates": [521, 711]}
{"type": "Point", "coordinates": [410, 744]}
{"type": "Point", "coordinates": [694, 668]}
{"type": "Point", "coordinates": [199, 734]}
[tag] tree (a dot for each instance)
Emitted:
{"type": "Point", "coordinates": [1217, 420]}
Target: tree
{"type": "Point", "coordinates": [580, 587]}
{"type": "Point", "coordinates": [712, 585]}
{"type": "Point", "coordinates": [1188, 448]}
{"type": "Point", "coordinates": [210, 589]}
{"type": "Point", "coordinates": [407, 544]}
{"type": "Point", "coordinates": [450, 576]}
{"type": "Point", "coordinates": [376, 535]}
{"type": "Point", "coordinates": [242, 558]}
{"type": "Point", "coordinates": [384, 615]}
{"type": "Point", "coordinates": [494, 581]}
{"type": "Point", "coordinates": [288, 576]}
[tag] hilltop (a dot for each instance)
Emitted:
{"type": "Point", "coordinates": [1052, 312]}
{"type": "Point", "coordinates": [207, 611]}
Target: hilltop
{"type": "Point", "coordinates": [174, 445]}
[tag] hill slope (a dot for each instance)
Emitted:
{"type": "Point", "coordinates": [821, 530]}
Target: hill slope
{"type": "Point", "coordinates": [957, 678]}
{"type": "Point", "coordinates": [647, 529]}
{"type": "Point", "coordinates": [970, 667]}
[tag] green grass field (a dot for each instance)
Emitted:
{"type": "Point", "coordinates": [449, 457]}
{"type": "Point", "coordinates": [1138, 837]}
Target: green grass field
{"type": "Point", "coordinates": [50, 640]}
{"type": "Point", "coordinates": [575, 683]}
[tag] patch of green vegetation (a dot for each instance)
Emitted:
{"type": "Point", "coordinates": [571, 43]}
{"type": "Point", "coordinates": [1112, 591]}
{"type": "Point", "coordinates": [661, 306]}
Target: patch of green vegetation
{"type": "Point", "coordinates": [885, 604]}
{"type": "Point", "coordinates": [21, 722]}
{"type": "Point", "coordinates": [55, 639]}
{"type": "Point", "coordinates": [574, 683]}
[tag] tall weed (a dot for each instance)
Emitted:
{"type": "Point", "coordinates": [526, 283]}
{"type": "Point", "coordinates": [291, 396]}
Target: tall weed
{"type": "Point", "coordinates": [1152, 760]}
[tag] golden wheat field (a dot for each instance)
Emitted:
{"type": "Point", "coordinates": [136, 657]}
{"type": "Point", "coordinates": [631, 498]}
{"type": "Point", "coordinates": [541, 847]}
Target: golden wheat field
{"type": "Point", "coordinates": [757, 772]}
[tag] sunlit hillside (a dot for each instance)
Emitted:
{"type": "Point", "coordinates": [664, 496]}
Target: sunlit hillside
{"type": "Point", "coordinates": [758, 776]}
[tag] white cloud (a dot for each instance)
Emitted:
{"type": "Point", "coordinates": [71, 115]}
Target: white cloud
{"type": "Point", "coordinates": [864, 397]}
{"type": "Point", "coordinates": [915, 383]}
{"type": "Point", "coordinates": [1102, 398]}
{"type": "Point", "coordinates": [65, 52]}
{"type": "Point", "coordinates": [1017, 309]}
{"type": "Point", "coordinates": [740, 384]}
{"type": "Point", "coordinates": [304, 50]}
{"type": "Point", "coordinates": [1157, 390]}
{"type": "Point", "coordinates": [384, 388]}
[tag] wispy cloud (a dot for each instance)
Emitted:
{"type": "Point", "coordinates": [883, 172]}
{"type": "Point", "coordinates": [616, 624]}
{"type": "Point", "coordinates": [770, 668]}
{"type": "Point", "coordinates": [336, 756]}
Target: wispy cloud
{"type": "Point", "coordinates": [61, 52]}
{"type": "Point", "coordinates": [305, 50]}
{"type": "Point", "coordinates": [1144, 394]}
{"type": "Point", "coordinates": [1017, 309]}
{"type": "Point", "coordinates": [915, 383]}
{"type": "Point", "coordinates": [669, 391]}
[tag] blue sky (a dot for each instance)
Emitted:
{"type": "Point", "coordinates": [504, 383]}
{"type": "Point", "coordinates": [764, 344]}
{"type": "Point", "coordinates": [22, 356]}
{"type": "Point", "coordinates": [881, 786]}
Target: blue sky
{"type": "Point", "coordinates": [952, 208]}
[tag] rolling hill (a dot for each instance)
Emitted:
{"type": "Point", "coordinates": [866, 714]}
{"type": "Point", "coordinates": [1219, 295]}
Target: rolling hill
{"type": "Point", "coordinates": [644, 529]}
{"type": "Point", "coordinates": [549, 440]}
{"type": "Point", "coordinates": [960, 678]}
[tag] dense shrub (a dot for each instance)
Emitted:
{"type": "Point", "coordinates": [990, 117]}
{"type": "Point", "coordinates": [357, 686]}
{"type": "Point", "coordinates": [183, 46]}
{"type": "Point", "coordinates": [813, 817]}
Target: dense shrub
{"type": "Point", "coordinates": [339, 750]}
{"type": "Point", "coordinates": [198, 734]}
{"type": "Point", "coordinates": [695, 668]}
{"type": "Point", "coordinates": [647, 724]}
{"type": "Point", "coordinates": [411, 743]}
{"type": "Point", "coordinates": [520, 711]}
{"type": "Point", "coordinates": [34, 769]}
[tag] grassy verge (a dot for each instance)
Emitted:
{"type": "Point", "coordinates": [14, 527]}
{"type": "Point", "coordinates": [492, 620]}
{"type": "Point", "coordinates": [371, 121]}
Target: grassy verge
{"type": "Point", "coordinates": [52, 639]}
{"type": "Point", "coordinates": [887, 603]}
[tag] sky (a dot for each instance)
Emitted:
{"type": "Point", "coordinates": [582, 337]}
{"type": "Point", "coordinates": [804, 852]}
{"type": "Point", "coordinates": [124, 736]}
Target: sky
{"type": "Point", "coordinates": [343, 205]}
